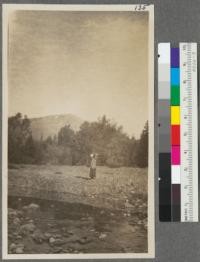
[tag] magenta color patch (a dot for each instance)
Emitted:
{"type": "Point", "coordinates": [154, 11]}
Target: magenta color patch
{"type": "Point", "coordinates": [175, 155]}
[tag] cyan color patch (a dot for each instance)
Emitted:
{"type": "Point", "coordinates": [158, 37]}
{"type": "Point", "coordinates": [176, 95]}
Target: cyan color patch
{"type": "Point", "coordinates": [175, 76]}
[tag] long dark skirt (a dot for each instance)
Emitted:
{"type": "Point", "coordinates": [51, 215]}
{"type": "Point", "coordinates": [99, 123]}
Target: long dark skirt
{"type": "Point", "coordinates": [92, 172]}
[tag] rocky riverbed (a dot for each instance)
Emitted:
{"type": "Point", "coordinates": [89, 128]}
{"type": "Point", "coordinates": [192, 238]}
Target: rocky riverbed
{"type": "Point", "coordinates": [41, 226]}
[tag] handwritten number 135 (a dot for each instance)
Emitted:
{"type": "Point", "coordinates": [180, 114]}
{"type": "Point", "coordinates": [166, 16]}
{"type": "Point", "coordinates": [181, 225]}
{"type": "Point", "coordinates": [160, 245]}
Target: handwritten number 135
{"type": "Point", "coordinates": [140, 7]}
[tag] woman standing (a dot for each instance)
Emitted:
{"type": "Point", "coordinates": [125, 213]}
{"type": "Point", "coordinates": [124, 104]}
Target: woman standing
{"type": "Point", "coordinates": [93, 166]}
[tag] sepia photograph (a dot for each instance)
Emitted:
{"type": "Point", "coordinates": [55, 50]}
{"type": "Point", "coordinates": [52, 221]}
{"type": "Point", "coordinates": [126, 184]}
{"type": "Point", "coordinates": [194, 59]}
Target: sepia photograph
{"type": "Point", "coordinates": [78, 134]}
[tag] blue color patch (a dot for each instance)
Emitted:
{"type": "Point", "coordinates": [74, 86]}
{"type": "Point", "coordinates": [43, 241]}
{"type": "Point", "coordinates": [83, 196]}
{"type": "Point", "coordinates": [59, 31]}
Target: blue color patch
{"type": "Point", "coordinates": [175, 76]}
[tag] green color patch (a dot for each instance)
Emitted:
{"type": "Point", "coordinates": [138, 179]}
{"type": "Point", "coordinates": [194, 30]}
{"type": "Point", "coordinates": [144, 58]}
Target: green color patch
{"type": "Point", "coordinates": [175, 95]}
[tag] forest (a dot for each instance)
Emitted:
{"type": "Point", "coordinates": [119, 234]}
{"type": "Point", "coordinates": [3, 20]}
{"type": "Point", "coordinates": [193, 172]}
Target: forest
{"type": "Point", "coordinates": [114, 148]}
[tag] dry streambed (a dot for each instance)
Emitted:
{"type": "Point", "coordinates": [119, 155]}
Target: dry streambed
{"type": "Point", "coordinates": [56, 209]}
{"type": "Point", "coordinates": [52, 227]}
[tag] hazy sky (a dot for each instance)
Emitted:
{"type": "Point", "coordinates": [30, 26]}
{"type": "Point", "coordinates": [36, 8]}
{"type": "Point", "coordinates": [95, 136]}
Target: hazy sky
{"type": "Point", "coordinates": [84, 63]}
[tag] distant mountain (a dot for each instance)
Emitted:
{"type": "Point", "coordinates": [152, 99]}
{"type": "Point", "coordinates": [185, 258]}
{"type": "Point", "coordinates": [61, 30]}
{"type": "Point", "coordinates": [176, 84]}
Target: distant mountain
{"type": "Point", "coordinates": [50, 125]}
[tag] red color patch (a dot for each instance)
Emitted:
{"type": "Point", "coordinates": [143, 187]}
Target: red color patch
{"type": "Point", "coordinates": [175, 134]}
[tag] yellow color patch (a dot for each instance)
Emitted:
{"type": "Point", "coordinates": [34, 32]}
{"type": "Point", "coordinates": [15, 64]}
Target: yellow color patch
{"type": "Point", "coordinates": [175, 115]}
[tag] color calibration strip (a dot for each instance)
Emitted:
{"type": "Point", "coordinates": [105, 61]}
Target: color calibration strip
{"type": "Point", "coordinates": [175, 136]}
{"type": "Point", "coordinates": [178, 142]}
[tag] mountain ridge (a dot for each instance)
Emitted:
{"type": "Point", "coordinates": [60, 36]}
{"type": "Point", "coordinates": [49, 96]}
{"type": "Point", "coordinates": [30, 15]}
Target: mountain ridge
{"type": "Point", "coordinates": [49, 125]}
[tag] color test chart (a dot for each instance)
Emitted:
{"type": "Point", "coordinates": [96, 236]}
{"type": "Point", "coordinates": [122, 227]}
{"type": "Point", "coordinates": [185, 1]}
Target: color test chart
{"type": "Point", "coordinates": [178, 132]}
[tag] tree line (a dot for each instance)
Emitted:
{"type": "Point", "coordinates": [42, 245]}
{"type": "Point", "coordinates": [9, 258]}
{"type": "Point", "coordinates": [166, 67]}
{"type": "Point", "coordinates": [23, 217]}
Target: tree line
{"type": "Point", "coordinates": [114, 147]}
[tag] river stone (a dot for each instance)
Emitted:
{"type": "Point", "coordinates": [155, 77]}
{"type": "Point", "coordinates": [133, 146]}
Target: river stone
{"type": "Point", "coordinates": [57, 236]}
{"type": "Point", "coordinates": [70, 232]}
{"type": "Point", "coordinates": [16, 221]}
{"type": "Point", "coordinates": [52, 240]}
{"type": "Point", "coordinates": [20, 213]}
{"type": "Point", "coordinates": [33, 206]}
{"type": "Point", "coordinates": [47, 236]}
{"type": "Point", "coordinates": [19, 249]}
{"type": "Point", "coordinates": [27, 228]}
{"type": "Point", "coordinates": [84, 240]}
{"type": "Point", "coordinates": [102, 236]}
{"type": "Point", "coordinates": [57, 250]}
{"type": "Point", "coordinates": [59, 242]}
{"type": "Point", "coordinates": [38, 237]}
{"type": "Point", "coordinates": [12, 212]}
{"type": "Point", "coordinates": [12, 247]}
